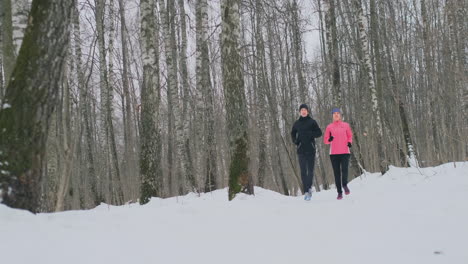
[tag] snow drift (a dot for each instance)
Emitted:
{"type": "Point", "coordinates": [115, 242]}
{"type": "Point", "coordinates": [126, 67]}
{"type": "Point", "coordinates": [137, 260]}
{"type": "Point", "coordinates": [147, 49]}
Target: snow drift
{"type": "Point", "coordinates": [409, 215]}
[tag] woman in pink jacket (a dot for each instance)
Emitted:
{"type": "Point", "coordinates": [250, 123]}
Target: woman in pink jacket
{"type": "Point", "coordinates": [340, 137]}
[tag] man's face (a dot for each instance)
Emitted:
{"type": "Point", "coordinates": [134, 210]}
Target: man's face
{"type": "Point", "coordinates": [304, 112]}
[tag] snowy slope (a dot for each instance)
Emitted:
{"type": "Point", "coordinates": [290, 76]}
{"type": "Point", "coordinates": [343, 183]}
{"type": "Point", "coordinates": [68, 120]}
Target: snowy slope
{"type": "Point", "coordinates": [406, 216]}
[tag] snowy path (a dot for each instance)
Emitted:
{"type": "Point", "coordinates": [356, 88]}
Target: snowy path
{"type": "Point", "coordinates": [402, 217]}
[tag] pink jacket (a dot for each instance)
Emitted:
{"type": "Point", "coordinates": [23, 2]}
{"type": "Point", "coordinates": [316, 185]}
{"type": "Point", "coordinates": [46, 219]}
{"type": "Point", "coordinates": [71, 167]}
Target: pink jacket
{"type": "Point", "coordinates": [342, 134]}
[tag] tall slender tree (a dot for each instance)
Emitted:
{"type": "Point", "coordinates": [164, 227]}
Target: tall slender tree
{"type": "Point", "coordinates": [205, 103]}
{"type": "Point", "coordinates": [367, 69]}
{"type": "Point", "coordinates": [150, 156]}
{"type": "Point", "coordinates": [108, 135]}
{"type": "Point", "coordinates": [297, 50]}
{"type": "Point", "coordinates": [130, 158]}
{"type": "Point", "coordinates": [184, 104]}
{"type": "Point", "coordinates": [333, 53]}
{"type": "Point", "coordinates": [175, 132]}
{"type": "Point", "coordinates": [93, 178]}
{"type": "Point", "coordinates": [240, 179]}
{"type": "Point", "coordinates": [261, 85]}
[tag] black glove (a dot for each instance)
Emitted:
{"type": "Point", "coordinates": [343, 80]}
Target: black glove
{"type": "Point", "coordinates": [330, 139]}
{"type": "Point", "coordinates": [349, 144]}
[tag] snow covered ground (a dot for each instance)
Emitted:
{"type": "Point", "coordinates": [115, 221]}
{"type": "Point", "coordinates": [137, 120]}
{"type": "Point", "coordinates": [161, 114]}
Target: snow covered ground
{"type": "Point", "coordinates": [407, 216]}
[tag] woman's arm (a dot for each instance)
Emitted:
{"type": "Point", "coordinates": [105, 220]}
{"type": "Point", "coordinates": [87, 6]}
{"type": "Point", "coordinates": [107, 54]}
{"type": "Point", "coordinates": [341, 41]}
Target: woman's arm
{"type": "Point", "coordinates": [349, 134]}
{"type": "Point", "coordinates": [326, 137]}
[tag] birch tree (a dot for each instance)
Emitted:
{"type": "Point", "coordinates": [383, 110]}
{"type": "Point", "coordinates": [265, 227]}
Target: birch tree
{"type": "Point", "coordinates": [367, 68]}
{"type": "Point", "coordinates": [150, 156]}
{"type": "Point", "coordinates": [108, 136]}
{"type": "Point", "coordinates": [233, 83]}
{"type": "Point", "coordinates": [333, 53]}
{"type": "Point", "coordinates": [297, 49]}
{"type": "Point", "coordinates": [130, 142]}
{"type": "Point", "coordinates": [93, 177]}
{"type": "Point", "coordinates": [175, 145]}
{"type": "Point", "coordinates": [205, 102]}
{"type": "Point", "coordinates": [409, 143]}
{"type": "Point", "coordinates": [184, 152]}
{"type": "Point", "coordinates": [260, 86]}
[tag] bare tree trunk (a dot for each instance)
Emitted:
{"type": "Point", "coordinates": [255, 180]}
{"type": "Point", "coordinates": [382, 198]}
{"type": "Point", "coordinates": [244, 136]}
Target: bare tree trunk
{"type": "Point", "coordinates": [462, 73]}
{"type": "Point", "coordinates": [29, 101]}
{"type": "Point", "coordinates": [410, 149]}
{"type": "Point", "coordinates": [206, 100]}
{"type": "Point", "coordinates": [273, 103]}
{"type": "Point", "coordinates": [66, 148]}
{"type": "Point", "coordinates": [429, 81]}
{"type": "Point", "coordinates": [187, 172]}
{"type": "Point", "coordinates": [2, 85]}
{"type": "Point", "coordinates": [150, 156]}
{"type": "Point", "coordinates": [240, 179]}
{"type": "Point", "coordinates": [378, 72]}
{"type": "Point", "coordinates": [202, 80]}
{"type": "Point", "coordinates": [333, 53]}
{"type": "Point", "coordinates": [171, 81]}
{"type": "Point", "coordinates": [8, 50]}
{"type": "Point", "coordinates": [20, 11]}
{"type": "Point", "coordinates": [85, 112]}
{"type": "Point", "coordinates": [130, 142]}
{"type": "Point", "coordinates": [261, 82]}
{"type": "Point", "coordinates": [104, 131]}
{"type": "Point", "coordinates": [367, 68]}
{"type": "Point", "coordinates": [297, 48]}
{"type": "Point", "coordinates": [323, 32]}
{"type": "Point", "coordinates": [116, 194]}
{"type": "Point", "coordinates": [177, 171]}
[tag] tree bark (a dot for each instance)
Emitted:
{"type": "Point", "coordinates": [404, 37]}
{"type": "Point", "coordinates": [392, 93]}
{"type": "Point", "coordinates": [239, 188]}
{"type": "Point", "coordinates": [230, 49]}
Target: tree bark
{"type": "Point", "coordinates": [130, 159]}
{"type": "Point", "coordinates": [297, 45]}
{"type": "Point", "coordinates": [177, 167]}
{"type": "Point", "coordinates": [187, 172]}
{"type": "Point", "coordinates": [85, 113]}
{"type": "Point", "coordinates": [333, 53]}
{"type": "Point", "coordinates": [240, 179]}
{"type": "Point", "coordinates": [367, 68]}
{"type": "Point", "coordinates": [150, 155]}
{"type": "Point", "coordinates": [261, 82]}
{"type": "Point", "coordinates": [429, 81]}
{"type": "Point", "coordinates": [206, 100]}
{"type": "Point", "coordinates": [8, 49]}
{"type": "Point", "coordinates": [29, 101]}
{"type": "Point", "coordinates": [108, 137]}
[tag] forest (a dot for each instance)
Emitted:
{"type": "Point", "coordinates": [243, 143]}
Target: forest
{"type": "Point", "coordinates": [118, 101]}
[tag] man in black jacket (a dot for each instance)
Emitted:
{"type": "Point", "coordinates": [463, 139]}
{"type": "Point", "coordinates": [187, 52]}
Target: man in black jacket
{"type": "Point", "coordinates": [304, 132]}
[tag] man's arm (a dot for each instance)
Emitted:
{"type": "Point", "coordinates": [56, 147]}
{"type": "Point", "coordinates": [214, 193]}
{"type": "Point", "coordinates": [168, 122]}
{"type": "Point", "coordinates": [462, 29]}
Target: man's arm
{"type": "Point", "coordinates": [316, 131]}
{"type": "Point", "coordinates": [294, 134]}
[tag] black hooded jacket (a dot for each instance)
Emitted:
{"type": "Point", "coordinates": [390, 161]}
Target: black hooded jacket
{"type": "Point", "coordinates": [304, 132]}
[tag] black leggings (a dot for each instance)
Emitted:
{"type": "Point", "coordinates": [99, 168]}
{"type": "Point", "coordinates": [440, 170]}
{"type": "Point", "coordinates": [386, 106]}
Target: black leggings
{"type": "Point", "coordinates": [340, 164]}
{"type": "Point", "coordinates": [307, 162]}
